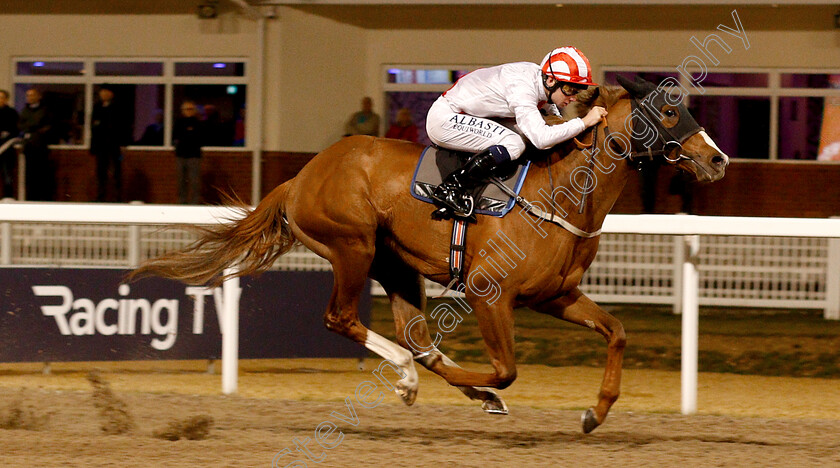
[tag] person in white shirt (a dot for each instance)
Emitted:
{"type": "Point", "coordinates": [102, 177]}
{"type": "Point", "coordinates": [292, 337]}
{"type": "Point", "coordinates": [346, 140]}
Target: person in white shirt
{"type": "Point", "coordinates": [460, 119]}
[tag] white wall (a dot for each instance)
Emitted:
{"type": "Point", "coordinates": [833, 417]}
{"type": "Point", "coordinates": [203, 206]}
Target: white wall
{"type": "Point", "coordinates": [315, 79]}
{"type": "Point", "coordinates": [319, 65]}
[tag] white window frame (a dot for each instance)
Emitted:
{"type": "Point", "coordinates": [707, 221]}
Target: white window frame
{"type": "Point", "coordinates": [168, 80]}
{"type": "Point", "coordinates": [419, 87]}
{"type": "Point", "coordinates": [774, 91]}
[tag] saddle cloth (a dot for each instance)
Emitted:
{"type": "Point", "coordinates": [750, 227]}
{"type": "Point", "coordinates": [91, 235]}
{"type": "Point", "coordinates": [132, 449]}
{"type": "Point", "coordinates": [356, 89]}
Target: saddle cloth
{"type": "Point", "coordinates": [436, 163]}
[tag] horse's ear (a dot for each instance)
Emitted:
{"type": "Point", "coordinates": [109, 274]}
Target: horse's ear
{"type": "Point", "coordinates": [637, 88]}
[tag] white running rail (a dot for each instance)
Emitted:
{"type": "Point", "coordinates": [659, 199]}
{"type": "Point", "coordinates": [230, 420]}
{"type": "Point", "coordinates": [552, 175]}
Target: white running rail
{"type": "Point", "coordinates": [815, 244]}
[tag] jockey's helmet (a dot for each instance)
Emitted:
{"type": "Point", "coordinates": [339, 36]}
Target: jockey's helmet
{"type": "Point", "coordinates": [570, 68]}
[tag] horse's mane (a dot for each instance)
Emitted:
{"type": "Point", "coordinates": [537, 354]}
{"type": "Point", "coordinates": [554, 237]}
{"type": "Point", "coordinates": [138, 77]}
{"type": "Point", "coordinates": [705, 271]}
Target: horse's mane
{"type": "Point", "coordinates": [604, 96]}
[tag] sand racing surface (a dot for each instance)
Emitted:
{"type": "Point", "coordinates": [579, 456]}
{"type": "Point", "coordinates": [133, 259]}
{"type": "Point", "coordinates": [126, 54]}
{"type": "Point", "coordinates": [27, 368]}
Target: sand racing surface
{"type": "Point", "coordinates": [63, 419]}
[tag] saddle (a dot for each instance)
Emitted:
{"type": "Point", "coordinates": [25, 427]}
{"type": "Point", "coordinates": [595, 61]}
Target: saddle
{"type": "Point", "coordinates": [436, 163]}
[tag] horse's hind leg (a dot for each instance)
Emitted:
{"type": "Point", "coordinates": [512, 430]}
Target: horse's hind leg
{"type": "Point", "coordinates": [407, 293]}
{"type": "Point", "coordinates": [351, 262]}
{"type": "Point", "coordinates": [579, 309]}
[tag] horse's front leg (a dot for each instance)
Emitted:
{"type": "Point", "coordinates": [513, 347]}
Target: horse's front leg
{"type": "Point", "coordinates": [406, 291]}
{"type": "Point", "coordinates": [495, 321]}
{"type": "Point", "coordinates": [579, 309]}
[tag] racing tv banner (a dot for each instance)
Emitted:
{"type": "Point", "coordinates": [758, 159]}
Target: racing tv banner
{"type": "Point", "coordinates": [54, 315]}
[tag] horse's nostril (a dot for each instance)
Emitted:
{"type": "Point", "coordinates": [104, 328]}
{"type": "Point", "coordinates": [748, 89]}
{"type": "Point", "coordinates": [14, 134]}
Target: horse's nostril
{"type": "Point", "coordinates": [719, 160]}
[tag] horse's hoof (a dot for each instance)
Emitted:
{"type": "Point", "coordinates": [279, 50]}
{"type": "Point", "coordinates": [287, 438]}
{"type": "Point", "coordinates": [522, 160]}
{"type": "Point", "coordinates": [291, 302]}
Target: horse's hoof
{"type": "Point", "coordinates": [495, 406]}
{"type": "Point", "coordinates": [407, 393]}
{"type": "Point", "coordinates": [589, 421]}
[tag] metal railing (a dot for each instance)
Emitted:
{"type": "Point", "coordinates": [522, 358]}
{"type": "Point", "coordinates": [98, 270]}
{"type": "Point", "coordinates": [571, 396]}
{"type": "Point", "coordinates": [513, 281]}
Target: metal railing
{"type": "Point", "coordinates": [743, 271]}
{"type": "Point", "coordinates": [787, 270]}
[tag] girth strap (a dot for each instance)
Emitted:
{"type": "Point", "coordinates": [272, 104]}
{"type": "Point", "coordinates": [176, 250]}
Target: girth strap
{"type": "Point", "coordinates": [456, 251]}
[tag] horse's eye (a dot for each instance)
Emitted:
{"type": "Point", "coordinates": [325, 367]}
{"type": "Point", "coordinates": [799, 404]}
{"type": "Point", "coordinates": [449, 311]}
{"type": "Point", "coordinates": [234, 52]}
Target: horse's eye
{"type": "Point", "coordinates": [670, 113]}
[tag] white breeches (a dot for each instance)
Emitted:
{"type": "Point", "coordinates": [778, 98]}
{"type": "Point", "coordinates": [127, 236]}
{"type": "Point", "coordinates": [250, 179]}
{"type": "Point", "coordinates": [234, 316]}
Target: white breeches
{"type": "Point", "coordinates": [464, 132]}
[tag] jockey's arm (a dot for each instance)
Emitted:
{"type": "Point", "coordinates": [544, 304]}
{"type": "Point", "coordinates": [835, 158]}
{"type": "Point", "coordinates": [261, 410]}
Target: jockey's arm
{"type": "Point", "coordinates": [543, 136]}
{"type": "Point", "coordinates": [522, 101]}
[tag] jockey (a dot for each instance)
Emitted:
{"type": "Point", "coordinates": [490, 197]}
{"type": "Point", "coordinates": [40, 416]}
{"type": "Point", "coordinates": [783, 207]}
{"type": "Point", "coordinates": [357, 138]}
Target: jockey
{"type": "Point", "coordinates": [460, 118]}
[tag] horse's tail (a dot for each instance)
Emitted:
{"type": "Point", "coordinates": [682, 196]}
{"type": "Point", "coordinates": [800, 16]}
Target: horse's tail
{"type": "Point", "coordinates": [252, 242]}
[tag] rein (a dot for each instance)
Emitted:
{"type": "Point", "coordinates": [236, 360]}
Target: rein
{"type": "Point", "coordinates": [551, 217]}
{"type": "Point", "coordinates": [668, 146]}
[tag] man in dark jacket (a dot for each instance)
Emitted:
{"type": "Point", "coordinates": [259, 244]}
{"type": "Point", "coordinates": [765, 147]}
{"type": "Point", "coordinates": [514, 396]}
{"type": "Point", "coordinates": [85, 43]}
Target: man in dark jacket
{"type": "Point", "coordinates": [8, 130]}
{"type": "Point", "coordinates": [36, 126]}
{"type": "Point", "coordinates": [188, 137]}
{"type": "Point", "coordinates": [109, 132]}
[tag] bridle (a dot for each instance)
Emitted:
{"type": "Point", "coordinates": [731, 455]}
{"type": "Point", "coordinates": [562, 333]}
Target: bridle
{"type": "Point", "coordinates": [669, 139]}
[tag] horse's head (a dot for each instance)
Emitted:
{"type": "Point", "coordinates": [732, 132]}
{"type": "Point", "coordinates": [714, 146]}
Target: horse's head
{"type": "Point", "coordinates": [663, 125]}
{"type": "Point", "coordinates": [659, 124]}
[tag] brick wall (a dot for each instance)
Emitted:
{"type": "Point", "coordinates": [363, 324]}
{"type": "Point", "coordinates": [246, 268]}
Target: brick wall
{"type": "Point", "coordinates": [786, 189]}
{"type": "Point", "coordinates": [149, 176]}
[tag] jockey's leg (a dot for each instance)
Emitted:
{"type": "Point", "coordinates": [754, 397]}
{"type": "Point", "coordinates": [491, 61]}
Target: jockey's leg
{"type": "Point", "coordinates": [454, 192]}
{"type": "Point", "coordinates": [493, 142]}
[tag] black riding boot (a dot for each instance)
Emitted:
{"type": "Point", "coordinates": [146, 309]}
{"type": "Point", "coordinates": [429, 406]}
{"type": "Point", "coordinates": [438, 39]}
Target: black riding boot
{"type": "Point", "coordinates": [454, 195]}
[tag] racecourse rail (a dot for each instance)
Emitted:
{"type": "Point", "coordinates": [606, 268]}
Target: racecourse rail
{"type": "Point", "coordinates": [688, 228]}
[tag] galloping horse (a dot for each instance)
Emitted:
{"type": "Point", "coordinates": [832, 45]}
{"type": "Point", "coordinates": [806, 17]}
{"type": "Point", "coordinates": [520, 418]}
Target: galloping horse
{"type": "Point", "coordinates": [351, 205]}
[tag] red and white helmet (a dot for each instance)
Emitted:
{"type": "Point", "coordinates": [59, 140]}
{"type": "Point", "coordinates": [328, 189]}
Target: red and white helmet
{"type": "Point", "coordinates": [568, 64]}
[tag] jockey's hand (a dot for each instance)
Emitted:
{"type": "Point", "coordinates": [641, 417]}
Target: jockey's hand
{"type": "Point", "coordinates": [594, 116]}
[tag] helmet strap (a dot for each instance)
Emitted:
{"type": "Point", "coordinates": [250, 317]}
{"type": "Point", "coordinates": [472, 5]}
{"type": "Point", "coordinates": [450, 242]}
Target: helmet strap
{"type": "Point", "coordinates": [551, 89]}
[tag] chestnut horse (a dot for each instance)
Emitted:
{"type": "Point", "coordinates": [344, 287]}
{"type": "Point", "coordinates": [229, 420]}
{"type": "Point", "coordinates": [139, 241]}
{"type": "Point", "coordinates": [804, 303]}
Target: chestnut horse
{"type": "Point", "coordinates": [351, 205]}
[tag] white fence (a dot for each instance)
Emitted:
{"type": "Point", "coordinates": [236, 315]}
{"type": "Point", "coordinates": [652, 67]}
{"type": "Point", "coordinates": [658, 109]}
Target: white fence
{"type": "Point", "coordinates": [643, 258]}
{"type": "Point", "coordinates": [749, 271]}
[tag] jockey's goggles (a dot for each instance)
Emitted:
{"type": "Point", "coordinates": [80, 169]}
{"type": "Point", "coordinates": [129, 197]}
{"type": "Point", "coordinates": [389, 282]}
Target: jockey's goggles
{"type": "Point", "coordinates": [571, 89]}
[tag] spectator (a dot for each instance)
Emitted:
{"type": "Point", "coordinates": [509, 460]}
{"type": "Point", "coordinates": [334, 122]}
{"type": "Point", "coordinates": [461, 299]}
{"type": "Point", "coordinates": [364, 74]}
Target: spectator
{"type": "Point", "coordinates": [364, 122]}
{"type": "Point", "coordinates": [188, 136]}
{"type": "Point", "coordinates": [239, 129]}
{"type": "Point", "coordinates": [36, 126]}
{"type": "Point", "coordinates": [403, 128]}
{"type": "Point", "coordinates": [219, 132]}
{"type": "Point", "coordinates": [109, 133]}
{"type": "Point", "coordinates": [153, 133]}
{"type": "Point", "coordinates": [8, 130]}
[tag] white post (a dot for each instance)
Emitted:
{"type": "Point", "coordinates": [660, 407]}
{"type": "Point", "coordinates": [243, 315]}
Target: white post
{"type": "Point", "coordinates": [21, 188]}
{"type": "Point", "coordinates": [230, 332]}
{"type": "Point", "coordinates": [679, 259]}
{"type": "Point", "coordinates": [690, 324]}
{"type": "Point", "coordinates": [5, 243]}
{"type": "Point", "coordinates": [832, 281]}
{"type": "Point", "coordinates": [134, 241]}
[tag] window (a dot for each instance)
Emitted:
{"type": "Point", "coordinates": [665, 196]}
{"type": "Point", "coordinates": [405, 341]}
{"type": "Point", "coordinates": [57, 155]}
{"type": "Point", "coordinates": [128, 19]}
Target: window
{"type": "Point", "coordinates": [149, 92]}
{"type": "Point", "coordinates": [751, 117]}
{"type": "Point", "coordinates": [129, 69]}
{"type": "Point", "coordinates": [809, 116]}
{"type": "Point", "coordinates": [728, 119]}
{"type": "Point", "coordinates": [416, 89]}
{"type": "Point", "coordinates": [209, 69]}
{"type": "Point", "coordinates": [65, 103]}
{"type": "Point", "coordinates": [41, 68]}
{"type": "Point", "coordinates": [222, 108]}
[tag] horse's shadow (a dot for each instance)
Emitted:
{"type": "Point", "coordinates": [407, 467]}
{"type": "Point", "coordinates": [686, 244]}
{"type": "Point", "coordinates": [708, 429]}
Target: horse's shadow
{"type": "Point", "coordinates": [539, 437]}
